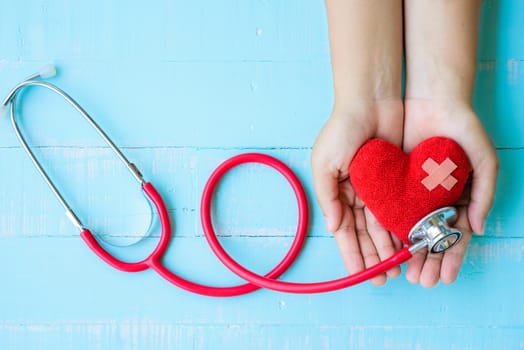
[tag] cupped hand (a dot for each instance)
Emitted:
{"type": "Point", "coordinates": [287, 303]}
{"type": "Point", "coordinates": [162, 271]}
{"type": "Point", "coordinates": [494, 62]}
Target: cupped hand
{"type": "Point", "coordinates": [362, 241]}
{"type": "Point", "coordinates": [456, 120]}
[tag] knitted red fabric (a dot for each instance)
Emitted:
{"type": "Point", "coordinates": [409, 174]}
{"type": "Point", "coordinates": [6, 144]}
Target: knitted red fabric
{"type": "Point", "coordinates": [390, 182]}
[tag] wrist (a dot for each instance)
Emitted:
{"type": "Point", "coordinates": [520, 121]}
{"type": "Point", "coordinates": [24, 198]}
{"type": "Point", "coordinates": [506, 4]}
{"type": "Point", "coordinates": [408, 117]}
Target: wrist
{"type": "Point", "coordinates": [369, 82]}
{"type": "Point", "coordinates": [436, 109]}
{"type": "Point", "coordinates": [374, 118]}
{"type": "Point", "coordinates": [441, 49]}
{"type": "Point", "coordinates": [441, 81]}
{"type": "Point", "coordinates": [361, 105]}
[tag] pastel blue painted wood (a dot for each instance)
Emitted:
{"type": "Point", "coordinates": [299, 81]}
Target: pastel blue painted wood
{"type": "Point", "coordinates": [181, 86]}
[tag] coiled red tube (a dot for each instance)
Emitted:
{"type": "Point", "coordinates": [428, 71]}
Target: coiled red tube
{"type": "Point", "coordinates": [266, 281]}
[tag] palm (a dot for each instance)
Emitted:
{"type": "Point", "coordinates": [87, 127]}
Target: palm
{"type": "Point", "coordinates": [424, 119]}
{"type": "Point", "coordinates": [361, 240]}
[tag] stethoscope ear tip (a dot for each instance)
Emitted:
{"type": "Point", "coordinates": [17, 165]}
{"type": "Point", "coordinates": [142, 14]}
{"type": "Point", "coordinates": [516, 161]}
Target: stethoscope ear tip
{"type": "Point", "coordinates": [47, 71]}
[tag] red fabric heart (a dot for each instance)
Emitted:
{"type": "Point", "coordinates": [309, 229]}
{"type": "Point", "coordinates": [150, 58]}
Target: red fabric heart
{"type": "Point", "coordinates": [394, 185]}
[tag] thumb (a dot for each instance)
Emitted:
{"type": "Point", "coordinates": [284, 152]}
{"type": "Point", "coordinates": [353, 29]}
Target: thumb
{"type": "Point", "coordinates": [485, 170]}
{"type": "Point", "coordinates": [327, 193]}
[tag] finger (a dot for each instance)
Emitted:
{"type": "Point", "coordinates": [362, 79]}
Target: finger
{"type": "Point", "coordinates": [347, 243]}
{"type": "Point", "coordinates": [397, 242]}
{"type": "Point", "coordinates": [430, 273]}
{"type": "Point", "coordinates": [485, 172]}
{"type": "Point", "coordinates": [367, 248]}
{"type": "Point", "coordinates": [426, 269]}
{"type": "Point", "coordinates": [382, 240]}
{"type": "Point", "coordinates": [453, 257]}
{"type": "Point", "coordinates": [327, 193]}
{"type": "Point", "coordinates": [346, 194]}
{"type": "Point", "coordinates": [414, 266]}
{"type": "Point", "coordinates": [446, 266]}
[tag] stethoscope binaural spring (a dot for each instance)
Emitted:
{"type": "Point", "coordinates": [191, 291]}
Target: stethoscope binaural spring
{"type": "Point", "coordinates": [432, 232]}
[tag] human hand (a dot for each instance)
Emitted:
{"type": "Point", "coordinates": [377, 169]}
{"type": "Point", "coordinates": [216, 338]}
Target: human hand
{"type": "Point", "coordinates": [366, 58]}
{"type": "Point", "coordinates": [362, 241]}
{"type": "Point", "coordinates": [454, 119]}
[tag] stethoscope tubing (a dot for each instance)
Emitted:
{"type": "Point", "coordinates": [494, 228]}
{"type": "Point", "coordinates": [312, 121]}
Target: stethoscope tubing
{"type": "Point", "coordinates": [155, 260]}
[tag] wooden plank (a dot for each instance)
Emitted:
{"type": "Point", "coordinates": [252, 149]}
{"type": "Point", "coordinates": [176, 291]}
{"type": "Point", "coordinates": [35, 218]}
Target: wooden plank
{"type": "Point", "coordinates": [60, 279]}
{"type": "Point", "coordinates": [169, 30]}
{"type": "Point", "coordinates": [253, 200]}
{"type": "Point", "coordinates": [138, 334]}
{"type": "Point", "coordinates": [182, 104]}
{"type": "Point", "coordinates": [229, 104]}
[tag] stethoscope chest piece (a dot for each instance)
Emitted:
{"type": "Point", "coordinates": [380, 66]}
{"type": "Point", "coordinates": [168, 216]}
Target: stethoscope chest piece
{"type": "Point", "coordinates": [434, 230]}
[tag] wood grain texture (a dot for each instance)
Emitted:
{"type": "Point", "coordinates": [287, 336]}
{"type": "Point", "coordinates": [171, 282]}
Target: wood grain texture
{"type": "Point", "coordinates": [181, 86]}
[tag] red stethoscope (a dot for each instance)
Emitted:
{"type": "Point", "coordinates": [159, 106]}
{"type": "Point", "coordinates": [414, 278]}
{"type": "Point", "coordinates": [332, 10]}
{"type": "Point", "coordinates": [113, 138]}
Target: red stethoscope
{"type": "Point", "coordinates": [432, 231]}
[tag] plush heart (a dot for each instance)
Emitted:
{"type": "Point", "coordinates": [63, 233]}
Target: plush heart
{"type": "Point", "coordinates": [400, 189]}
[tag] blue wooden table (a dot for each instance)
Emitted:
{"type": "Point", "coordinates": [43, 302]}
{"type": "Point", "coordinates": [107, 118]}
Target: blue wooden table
{"type": "Point", "coordinates": [181, 85]}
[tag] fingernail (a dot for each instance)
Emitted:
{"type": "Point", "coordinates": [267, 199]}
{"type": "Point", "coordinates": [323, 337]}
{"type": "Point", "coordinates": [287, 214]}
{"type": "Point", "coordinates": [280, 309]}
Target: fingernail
{"type": "Point", "coordinates": [482, 228]}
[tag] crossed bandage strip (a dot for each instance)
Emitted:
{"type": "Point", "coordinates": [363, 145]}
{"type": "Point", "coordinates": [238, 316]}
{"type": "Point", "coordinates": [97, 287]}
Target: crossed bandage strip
{"type": "Point", "coordinates": [439, 174]}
